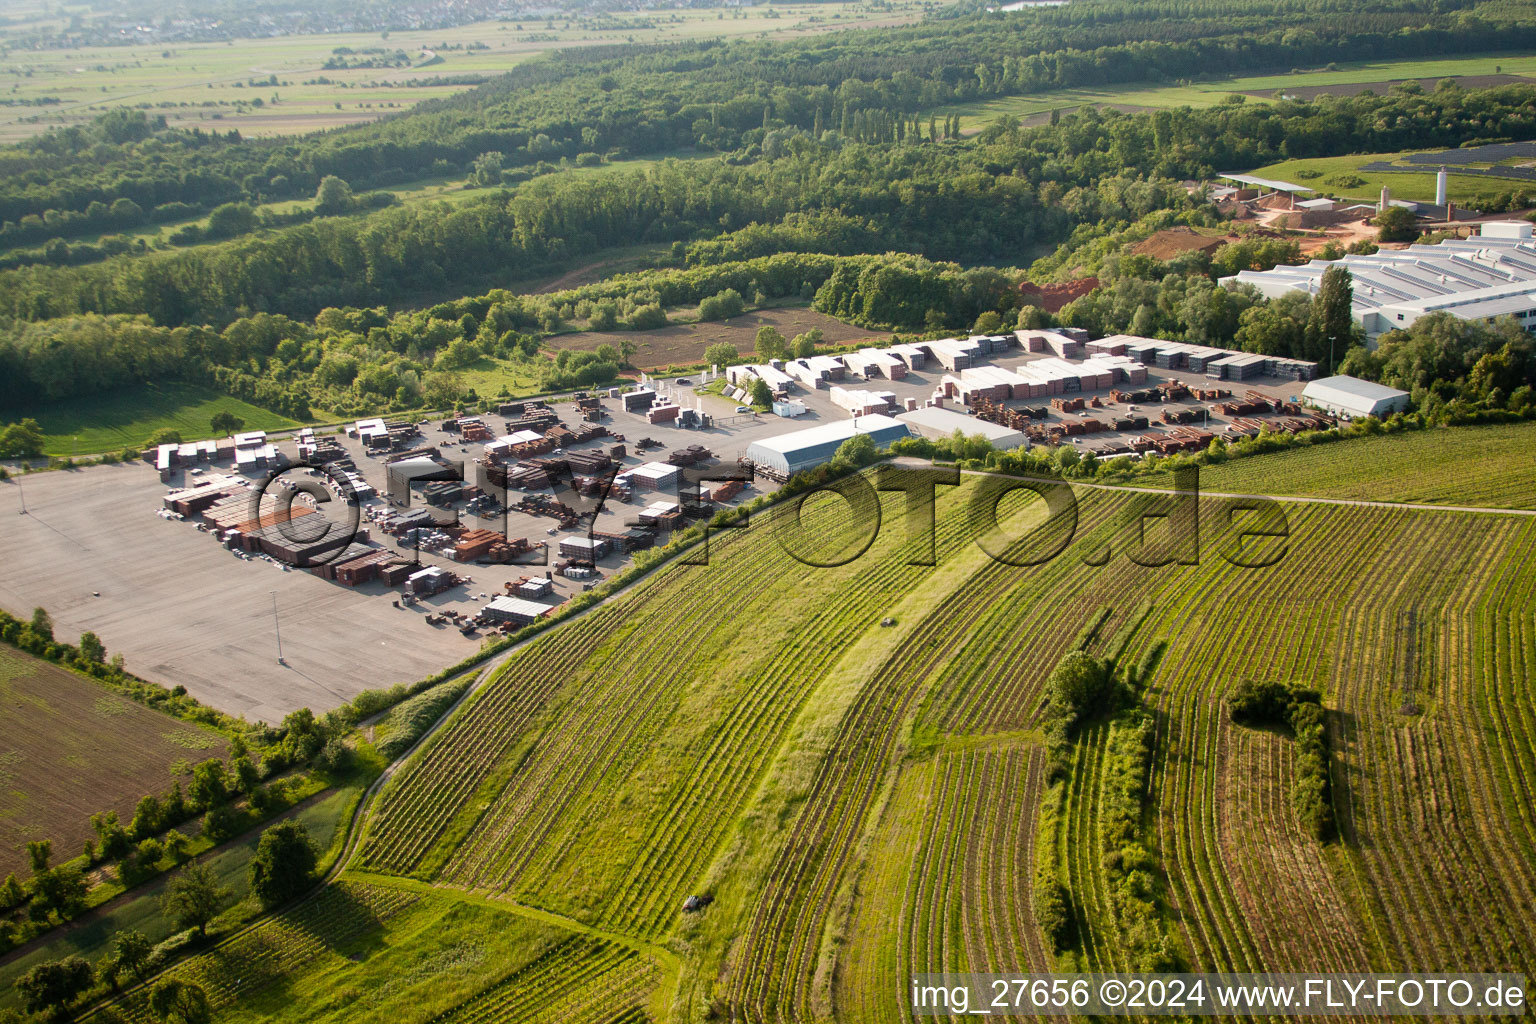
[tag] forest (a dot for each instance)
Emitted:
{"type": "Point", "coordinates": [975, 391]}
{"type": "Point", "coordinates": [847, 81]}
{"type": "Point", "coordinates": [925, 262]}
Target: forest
{"type": "Point", "coordinates": [630, 101]}
{"type": "Point", "coordinates": [830, 187]}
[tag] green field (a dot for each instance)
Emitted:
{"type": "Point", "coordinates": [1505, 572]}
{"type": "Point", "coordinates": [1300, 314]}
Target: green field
{"type": "Point", "coordinates": [863, 800]}
{"type": "Point", "coordinates": [124, 419]}
{"type": "Point", "coordinates": [373, 949]}
{"type": "Point", "coordinates": [1493, 467]}
{"type": "Point", "coordinates": [974, 116]}
{"type": "Point", "coordinates": [1416, 183]}
{"type": "Point", "coordinates": [214, 85]}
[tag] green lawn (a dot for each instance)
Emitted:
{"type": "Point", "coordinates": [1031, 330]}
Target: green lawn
{"type": "Point", "coordinates": [488, 376]}
{"type": "Point", "coordinates": [1414, 182]}
{"type": "Point", "coordinates": [119, 419]}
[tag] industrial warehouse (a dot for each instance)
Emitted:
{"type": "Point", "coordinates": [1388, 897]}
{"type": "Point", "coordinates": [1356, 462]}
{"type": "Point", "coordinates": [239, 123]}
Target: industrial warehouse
{"type": "Point", "coordinates": [1480, 278]}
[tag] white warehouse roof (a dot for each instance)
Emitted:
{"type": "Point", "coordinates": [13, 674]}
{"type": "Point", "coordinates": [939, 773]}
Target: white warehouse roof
{"type": "Point", "coordinates": [1278, 186]}
{"type": "Point", "coordinates": [788, 454]}
{"type": "Point", "coordinates": [1473, 278]}
{"type": "Point", "coordinates": [937, 422]}
{"type": "Point", "coordinates": [1354, 397]}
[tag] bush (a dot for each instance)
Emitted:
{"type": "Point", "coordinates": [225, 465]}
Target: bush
{"type": "Point", "coordinates": [647, 318]}
{"type": "Point", "coordinates": [722, 305]}
{"type": "Point", "coordinates": [415, 716]}
{"type": "Point", "coordinates": [1299, 709]}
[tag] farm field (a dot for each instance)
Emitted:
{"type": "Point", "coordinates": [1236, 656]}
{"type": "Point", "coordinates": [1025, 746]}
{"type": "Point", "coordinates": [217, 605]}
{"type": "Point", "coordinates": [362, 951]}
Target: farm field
{"type": "Point", "coordinates": [139, 909]}
{"type": "Point", "coordinates": [64, 755]}
{"type": "Point", "coordinates": [124, 419]}
{"type": "Point", "coordinates": [1347, 79]}
{"type": "Point", "coordinates": [1492, 466]}
{"type": "Point", "coordinates": [860, 799]}
{"type": "Point", "coordinates": [228, 85]}
{"type": "Point", "coordinates": [684, 344]}
{"type": "Point", "coordinates": [1335, 176]}
{"type": "Point", "coordinates": [369, 949]}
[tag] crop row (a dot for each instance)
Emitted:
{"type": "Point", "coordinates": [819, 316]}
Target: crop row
{"type": "Point", "coordinates": [435, 785]}
{"type": "Point", "coordinates": [577, 980]}
{"type": "Point", "coordinates": [609, 733]}
{"type": "Point", "coordinates": [1243, 624]}
{"type": "Point", "coordinates": [273, 951]}
{"type": "Point", "coordinates": [1263, 841]}
{"type": "Point", "coordinates": [1336, 629]}
{"type": "Point", "coordinates": [1451, 891]}
{"type": "Point", "coordinates": [771, 977]}
{"type": "Point", "coordinates": [696, 731]}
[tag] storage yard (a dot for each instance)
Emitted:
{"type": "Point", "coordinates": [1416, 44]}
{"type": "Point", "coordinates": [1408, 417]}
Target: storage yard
{"type": "Point", "coordinates": [1122, 395]}
{"type": "Point", "coordinates": [468, 527]}
{"type": "Point", "coordinates": [179, 576]}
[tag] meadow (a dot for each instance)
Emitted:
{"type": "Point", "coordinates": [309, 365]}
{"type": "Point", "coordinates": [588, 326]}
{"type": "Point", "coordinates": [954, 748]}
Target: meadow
{"type": "Point", "coordinates": [683, 344]}
{"type": "Point", "coordinates": [850, 761]}
{"type": "Point", "coordinates": [62, 759]}
{"type": "Point", "coordinates": [1337, 176]}
{"type": "Point", "coordinates": [1492, 466]}
{"type": "Point", "coordinates": [230, 85]}
{"type": "Point", "coordinates": [123, 419]}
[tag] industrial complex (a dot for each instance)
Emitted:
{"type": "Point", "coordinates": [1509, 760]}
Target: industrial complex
{"type": "Point", "coordinates": [481, 523]}
{"type": "Point", "coordinates": [1491, 275]}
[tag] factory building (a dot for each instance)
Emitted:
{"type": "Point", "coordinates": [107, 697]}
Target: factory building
{"type": "Point", "coordinates": [787, 454]}
{"type": "Point", "coordinates": [1478, 278]}
{"type": "Point", "coordinates": [939, 423]}
{"type": "Point", "coordinates": [1351, 396]}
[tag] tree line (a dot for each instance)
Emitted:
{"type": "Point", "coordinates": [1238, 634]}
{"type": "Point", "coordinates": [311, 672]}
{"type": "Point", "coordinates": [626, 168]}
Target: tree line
{"type": "Point", "coordinates": [724, 96]}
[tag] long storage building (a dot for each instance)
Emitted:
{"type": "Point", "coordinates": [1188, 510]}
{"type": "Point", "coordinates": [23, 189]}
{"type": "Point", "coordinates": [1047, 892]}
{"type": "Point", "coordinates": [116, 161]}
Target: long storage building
{"type": "Point", "coordinates": [787, 454]}
{"type": "Point", "coordinates": [939, 423]}
{"type": "Point", "coordinates": [1351, 396]}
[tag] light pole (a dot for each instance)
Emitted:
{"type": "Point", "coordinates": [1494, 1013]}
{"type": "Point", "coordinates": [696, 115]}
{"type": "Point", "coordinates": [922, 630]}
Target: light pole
{"type": "Point", "coordinates": [21, 493]}
{"type": "Point", "coordinates": [277, 628]}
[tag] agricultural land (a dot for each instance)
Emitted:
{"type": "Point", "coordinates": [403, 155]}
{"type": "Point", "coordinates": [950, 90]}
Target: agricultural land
{"type": "Point", "coordinates": [63, 755]}
{"type": "Point", "coordinates": [684, 344]}
{"type": "Point", "coordinates": [294, 84]}
{"type": "Point", "coordinates": [862, 799]}
{"type": "Point", "coordinates": [1484, 466]}
{"type": "Point", "coordinates": [682, 514]}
